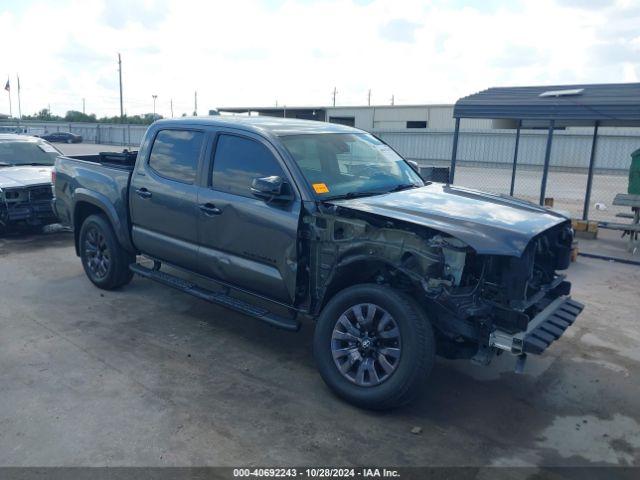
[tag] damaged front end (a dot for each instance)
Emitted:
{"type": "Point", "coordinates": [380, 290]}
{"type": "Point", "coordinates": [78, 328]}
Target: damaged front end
{"type": "Point", "coordinates": [26, 206]}
{"type": "Point", "coordinates": [504, 303]}
{"type": "Point", "coordinates": [479, 304]}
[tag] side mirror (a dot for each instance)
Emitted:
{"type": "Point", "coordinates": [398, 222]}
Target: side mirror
{"type": "Point", "coordinates": [271, 188]}
{"type": "Point", "coordinates": [414, 165]}
{"type": "Point", "coordinates": [416, 168]}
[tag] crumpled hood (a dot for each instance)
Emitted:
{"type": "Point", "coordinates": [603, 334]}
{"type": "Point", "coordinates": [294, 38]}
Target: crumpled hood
{"type": "Point", "coordinates": [24, 176]}
{"type": "Point", "coordinates": [490, 224]}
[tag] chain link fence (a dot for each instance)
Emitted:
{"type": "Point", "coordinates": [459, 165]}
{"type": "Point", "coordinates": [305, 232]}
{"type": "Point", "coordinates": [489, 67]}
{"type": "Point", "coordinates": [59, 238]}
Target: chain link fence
{"type": "Point", "coordinates": [485, 162]}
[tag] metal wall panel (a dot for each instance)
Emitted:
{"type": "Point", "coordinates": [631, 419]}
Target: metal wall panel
{"type": "Point", "coordinates": [495, 147]}
{"type": "Point", "coordinates": [104, 133]}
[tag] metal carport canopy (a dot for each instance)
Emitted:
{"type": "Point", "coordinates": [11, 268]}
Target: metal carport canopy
{"type": "Point", "coordinates": [552, 106]}
{"type": "Point", "coordinates": [611, 105]}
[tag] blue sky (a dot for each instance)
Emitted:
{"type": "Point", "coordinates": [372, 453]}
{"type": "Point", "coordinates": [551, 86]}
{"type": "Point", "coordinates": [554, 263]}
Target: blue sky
{"type": "Point", "coordinates": [296, 52]}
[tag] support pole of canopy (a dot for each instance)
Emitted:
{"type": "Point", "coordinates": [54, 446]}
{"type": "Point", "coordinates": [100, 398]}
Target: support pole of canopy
{"type": "Point", "coordinates": [515, 158]}
{"type": "Point", "coordinates": [547, 158]}
{"type": "Point", "coordinates": [592, 163]}
{"type": "Point", "coordinates": [454, 152]}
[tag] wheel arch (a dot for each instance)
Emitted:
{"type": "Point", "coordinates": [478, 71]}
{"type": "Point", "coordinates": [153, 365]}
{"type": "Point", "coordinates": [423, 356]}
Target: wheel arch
{"type": "Point", "coordinates": [88, 203]}
{"type": "Point", "coordinates": [364, 269]}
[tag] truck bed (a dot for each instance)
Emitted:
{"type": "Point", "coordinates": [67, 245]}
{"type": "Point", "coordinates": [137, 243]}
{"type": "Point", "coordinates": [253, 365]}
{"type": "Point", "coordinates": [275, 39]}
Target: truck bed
{"type": "Point", "coordinates": [124, 160]}
{"type": "Point", "coordinates": [101, 179]}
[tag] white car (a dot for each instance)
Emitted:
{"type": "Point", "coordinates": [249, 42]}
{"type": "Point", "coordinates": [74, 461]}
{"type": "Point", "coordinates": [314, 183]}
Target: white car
{"type": "Point", "coordinates": [25, 181]}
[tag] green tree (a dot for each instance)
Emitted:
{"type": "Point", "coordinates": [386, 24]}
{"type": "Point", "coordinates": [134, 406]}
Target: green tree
{"type": "Point", "coordinates": [76, 116]}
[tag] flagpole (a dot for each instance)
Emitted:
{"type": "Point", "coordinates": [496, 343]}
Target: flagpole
{"type": "Point", "coordinates": [8, 89]}
{"type": "Point", "coordinates": [19, 106]}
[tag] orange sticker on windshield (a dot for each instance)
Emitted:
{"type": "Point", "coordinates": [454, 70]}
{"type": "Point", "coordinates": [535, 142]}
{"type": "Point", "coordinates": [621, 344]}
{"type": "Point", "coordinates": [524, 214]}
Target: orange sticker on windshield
{"type": "Point", "coordinates": [320, 188]}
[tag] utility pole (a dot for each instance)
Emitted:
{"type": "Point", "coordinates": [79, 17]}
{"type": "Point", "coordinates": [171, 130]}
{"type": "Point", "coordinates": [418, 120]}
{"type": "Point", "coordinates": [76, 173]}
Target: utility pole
{"type": "Point", "coordinates": [392, 100]}
{"type": "Point", "coordinates": [120, 78]}
{"type": "Point", "coordinates": [154, 106]}
{"type": "Point", "coordinates": [172, 108]}
{"type": "Point", "coordinates": [334, 96]}
{"type": "Point", "coordinates": [83, 105]}
{"type": "Point", "coordinates": [369, 98]}
{"type": "Point", "coordinates": [195, 103]}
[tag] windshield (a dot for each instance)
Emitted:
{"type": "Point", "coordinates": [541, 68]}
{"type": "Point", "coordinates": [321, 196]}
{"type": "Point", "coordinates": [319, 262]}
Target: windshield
{"type": "Point", "coordinates": [349, 164]}
{"type": "Point", "coordinates": [27, 153]}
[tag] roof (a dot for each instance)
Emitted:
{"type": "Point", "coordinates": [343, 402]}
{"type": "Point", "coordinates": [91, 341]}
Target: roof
{"type": "Point", "coordinates": [614, 104]}
{"type": "Point", "coordinates": [260, 109]}
{"type": "Point", "coordinates": [328, 107]}
{"type": "Point", "coordinates": [270, 125]}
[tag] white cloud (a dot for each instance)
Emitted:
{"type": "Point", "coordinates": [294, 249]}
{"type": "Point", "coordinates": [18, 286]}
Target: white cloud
{"type": "Point", "coordinates": [254, 52]}
{"type": "Point", "coordinates": [399, 30]}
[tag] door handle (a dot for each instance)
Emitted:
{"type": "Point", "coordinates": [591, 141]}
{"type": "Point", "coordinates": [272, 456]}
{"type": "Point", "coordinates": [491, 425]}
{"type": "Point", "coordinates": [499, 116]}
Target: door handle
{"type": "Point", "coordinates": [210, 209]}
{"type": "Point", "coordinates": [143, 192]}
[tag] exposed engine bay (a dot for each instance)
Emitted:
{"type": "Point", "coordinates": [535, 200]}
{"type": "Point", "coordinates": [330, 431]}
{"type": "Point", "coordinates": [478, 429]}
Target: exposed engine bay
{"type": "Point", "coordinates": [467, 295]}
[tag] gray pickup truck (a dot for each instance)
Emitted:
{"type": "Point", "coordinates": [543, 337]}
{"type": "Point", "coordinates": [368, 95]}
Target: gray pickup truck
{"type": "Point", "coordinates": [292, 219]}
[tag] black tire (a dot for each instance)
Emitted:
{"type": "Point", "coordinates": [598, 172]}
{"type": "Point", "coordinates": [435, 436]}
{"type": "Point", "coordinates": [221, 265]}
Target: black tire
{"type": "Point", "coordinates": [111, 269]}
{"type": "Point", "coordinates": [416, 355]}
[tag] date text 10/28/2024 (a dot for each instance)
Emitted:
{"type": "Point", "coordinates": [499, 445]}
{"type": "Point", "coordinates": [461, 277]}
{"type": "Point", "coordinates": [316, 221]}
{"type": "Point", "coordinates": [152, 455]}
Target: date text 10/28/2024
{"type": "Point", "coordinates": [316, 473]}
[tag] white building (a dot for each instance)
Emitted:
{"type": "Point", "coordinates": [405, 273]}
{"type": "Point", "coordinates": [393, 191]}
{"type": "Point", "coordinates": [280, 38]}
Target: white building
{"type": "Point", "coordinates": [372, 118]}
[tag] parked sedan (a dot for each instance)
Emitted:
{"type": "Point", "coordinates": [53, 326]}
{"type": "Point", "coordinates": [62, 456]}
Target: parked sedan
{"type": "Point", "coordinates": [25, 182]}
{"type": "Point", "coordinates": [62, 137]}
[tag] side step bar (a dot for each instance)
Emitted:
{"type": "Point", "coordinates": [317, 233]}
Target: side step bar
{"type": "Point", "coordinates": [543, 329]}
{"type": "Point", "coordinates": [552, 326]}
{"type": "Point", "coordinates": [222, 299]}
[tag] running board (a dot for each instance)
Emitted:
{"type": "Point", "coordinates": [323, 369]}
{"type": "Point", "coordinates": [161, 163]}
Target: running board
{"type": "Point", "coordinates": [221, 299]}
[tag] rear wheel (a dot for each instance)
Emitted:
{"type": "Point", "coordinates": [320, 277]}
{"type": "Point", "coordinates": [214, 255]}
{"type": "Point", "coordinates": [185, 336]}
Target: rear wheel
{"type": "Point", "coordinates": [374, 346]}
{"type": "Point", "coordinates": [104, 260]}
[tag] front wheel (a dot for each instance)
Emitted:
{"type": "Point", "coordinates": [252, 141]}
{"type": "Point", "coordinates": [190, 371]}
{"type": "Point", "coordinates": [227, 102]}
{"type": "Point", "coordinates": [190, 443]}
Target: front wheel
{"type": "Point", "coordinates": [374, 346]}
{"type": "Point", "coordinates": [104, 260]}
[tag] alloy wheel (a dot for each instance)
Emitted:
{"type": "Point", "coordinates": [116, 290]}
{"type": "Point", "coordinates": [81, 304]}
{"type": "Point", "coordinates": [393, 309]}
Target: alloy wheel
{"type": "Point", "coordinates": [97, 255]}
{"type": "Point", "coordinates": [366, 344]}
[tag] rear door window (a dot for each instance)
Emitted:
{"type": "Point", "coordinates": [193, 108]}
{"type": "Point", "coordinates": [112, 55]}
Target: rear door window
{"type": "Point", "coordinates": [237, 161]}
{"type": "Point", "coordinates": [175, 154]}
